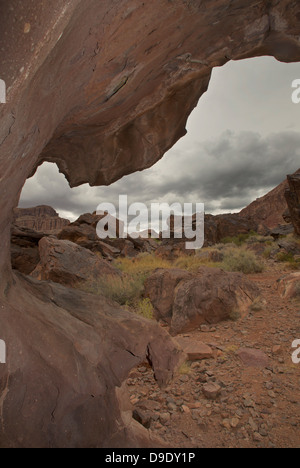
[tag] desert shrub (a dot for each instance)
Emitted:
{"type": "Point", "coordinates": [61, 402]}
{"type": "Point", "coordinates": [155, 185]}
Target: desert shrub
{"type": "Point", "coordinates": [241, 260]}
{"type": "Point", "coordinates": [192, 263]}
{"type": "Point", "coordinates": [238, 240]}
{"type": "Point", "coordinates": [123, 290]}
{"type": "Point", "coordinates": [144, 308]}
{"type": "Point", "coordinates": [268, 252]}
{"type": "Point", "coordinates": [257, 305]}
{"type": "Point", "coordinates": [260, 240]}
{"type": "Point", "coordinates": [185, 368]}
{"type": "Point", "coordinates": [142, 265]}
{"type": "Point", "coordinates": [287, 257]}
{"type": "Point", "coordinates": [234, 315]}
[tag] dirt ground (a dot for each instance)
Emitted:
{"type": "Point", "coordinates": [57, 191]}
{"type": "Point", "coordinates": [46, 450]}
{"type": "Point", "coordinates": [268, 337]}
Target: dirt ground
{"type": "Point", "coordinates": [256, 406]}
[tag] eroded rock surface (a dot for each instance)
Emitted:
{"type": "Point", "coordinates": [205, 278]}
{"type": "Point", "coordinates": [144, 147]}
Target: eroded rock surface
{"type": "Point", "coordinates": [69, 349]}
{"type": "Point", "coordinates": [40, 218]}
{"type": "Point", "coordinates": [103, 89]}
{"type": "Point", "coordinates": [292, 195]}
{"type": "Point", "coordinates": [186, 300]}
{"type": "Point", "coordinates": [69, 264]}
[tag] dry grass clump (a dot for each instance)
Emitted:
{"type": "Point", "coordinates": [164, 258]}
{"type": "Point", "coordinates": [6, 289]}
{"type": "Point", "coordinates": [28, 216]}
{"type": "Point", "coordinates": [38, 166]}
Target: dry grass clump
{"type": "Point", "coordinates": [142, 265]}
{"type": "Point", "coordinates": [241, 260]}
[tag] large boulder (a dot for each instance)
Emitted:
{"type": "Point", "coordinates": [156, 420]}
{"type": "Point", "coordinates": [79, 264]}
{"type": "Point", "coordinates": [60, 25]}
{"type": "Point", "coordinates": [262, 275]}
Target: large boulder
{"type": "Point", "coordinates": [24, 249]}
{"type": "Point", "coordinates": [160, 288]}
{"type": "Point", "coordinates": [289, 286]}
{"type": "Point", "coordinates": [68, 353]}
{"type": "Point", "coordinates": [188, 300]}
{"type": "Point", "coordinates": [69, 264]}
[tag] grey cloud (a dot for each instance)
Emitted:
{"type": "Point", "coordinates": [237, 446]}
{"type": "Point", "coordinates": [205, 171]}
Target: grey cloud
{"type": "Point", "coordinates": [226, 173]}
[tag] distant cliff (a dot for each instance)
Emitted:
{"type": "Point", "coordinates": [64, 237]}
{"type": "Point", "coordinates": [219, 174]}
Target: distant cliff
{"type": "Point", "coordinates": [269, 209]}
{"type": "Point", "coordinates": [40, 218]}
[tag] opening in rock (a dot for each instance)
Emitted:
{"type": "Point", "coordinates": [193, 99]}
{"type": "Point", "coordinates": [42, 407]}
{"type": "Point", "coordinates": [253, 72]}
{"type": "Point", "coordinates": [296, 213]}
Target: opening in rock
{"type": "Point", "coordinates": [242, 140]}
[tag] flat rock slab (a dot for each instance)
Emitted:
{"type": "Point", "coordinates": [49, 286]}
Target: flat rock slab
{"type": "Point", "coordinates": [195, 350]}
{"type": "Point", "coordinates": [253, 357]}
{"type": "Point", "coordinates": [211, 390]}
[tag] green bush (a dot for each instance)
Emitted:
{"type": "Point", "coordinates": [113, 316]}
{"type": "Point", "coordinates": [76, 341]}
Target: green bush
{"type": "Point", "coordinates": [241, 260]}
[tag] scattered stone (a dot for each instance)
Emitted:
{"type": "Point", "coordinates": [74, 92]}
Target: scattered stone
{"type": "Point", "coordinates": [142, 417]}
{"type": "Point", "coordinates": [185, 409]}
{"type": "Point", "coordinates": [226, 424]}
{"type": "Point", "coordinates": [276, 349]}
{"type": "Point", "coordinates": [234, 422]}
{"type": "Point", "coordinates": [195, 350]}
{"type": "Point", "coordinates": [165, 418]}
{"type": "Point", "coordinates": [253, 357]}
{"type": "Point", "coordinates": [211, 390]}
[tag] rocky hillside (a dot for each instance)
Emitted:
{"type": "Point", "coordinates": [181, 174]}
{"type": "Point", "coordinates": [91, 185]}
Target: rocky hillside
{"type": "Point", "coordinates": [40, 218]}
{"type": "Point", "coordinates": [270, 209]}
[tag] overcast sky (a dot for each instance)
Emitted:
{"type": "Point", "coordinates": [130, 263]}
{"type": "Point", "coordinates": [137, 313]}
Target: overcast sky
{"type": "Point", "coordinates": [243, 139]}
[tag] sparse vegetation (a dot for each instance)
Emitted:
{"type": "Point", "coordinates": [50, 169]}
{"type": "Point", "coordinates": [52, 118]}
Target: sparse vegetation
{"type": "Point", "coordinates": [184, 369]}
{"type": "Point", "coordinates": [257, 305]}
{"type": "Point", "coordinates": [144, 308]}
{"type": "Point", "coordinates": [192, 263]}
{"type": "Point", "coordinates": [235, 315]}
{"type": "Point", "coordinates": [241, 260]}
{"type": "Point", "coordinates": [240, 239]}
{"type": "Point", "coordinates": [141, 265]}
{"type": "Point", "coordinates": [289, 259]}
{"type": "Point", "coordinates": [123, 290]}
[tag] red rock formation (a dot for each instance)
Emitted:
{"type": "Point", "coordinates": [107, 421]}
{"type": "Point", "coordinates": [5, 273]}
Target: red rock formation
{"type": "Point", "coordinates": [103, 89]}
{"type": "Point", "coordinates": [292, 195]}
{"type": "Point", "coordinates": [40, 218]}
{"type": "Point", "coordinates": [270, 209]}
{"type": "Point", "coordinates": [186, 300]}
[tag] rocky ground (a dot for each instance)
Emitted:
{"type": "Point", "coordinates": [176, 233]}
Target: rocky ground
{"type": "Point", "coordinates": [222, 401]}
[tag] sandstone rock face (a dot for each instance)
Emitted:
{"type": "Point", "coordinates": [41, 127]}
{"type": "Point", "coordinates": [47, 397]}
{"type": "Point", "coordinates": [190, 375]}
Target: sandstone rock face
{"type": "Point", "coordinates": [24, 249]}
{"type": "Point", "coordinates": [216, 228]}
{"type": "Point", "coordinates": [103, 89]}
{"type": "Point", "coordinates": [69, 264]}
{"type": "Point", "coordinates": [83, 232]}
{"type": "Point", "coordinates": [289, 286]}
{"type": "Point", "coordinates": [41, 219]}
{"type": "Point", "coordinates": [69, 351]}
{"type": "Point", "coordinates": [188, 300]}
{"type": "Point", "coordinates": [270, 210]}
{"type": "Point", "coordinates": [160, 288]}
{"type": "Point", "coordinates": [292, 195]}
{"type": "Point", "coordinates": [219, 227]}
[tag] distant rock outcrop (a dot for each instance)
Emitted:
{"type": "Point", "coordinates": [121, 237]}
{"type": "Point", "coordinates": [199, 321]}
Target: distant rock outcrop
{"type": "Point", "coordinates": [40, 218]}
{"type": "Point", "coordinates": [271, 210]}
{"type": "Point", "coordinates": [292, 195]}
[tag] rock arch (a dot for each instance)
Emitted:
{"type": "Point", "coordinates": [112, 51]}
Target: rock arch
{"type": "Point", "coordinates": [102, 89]}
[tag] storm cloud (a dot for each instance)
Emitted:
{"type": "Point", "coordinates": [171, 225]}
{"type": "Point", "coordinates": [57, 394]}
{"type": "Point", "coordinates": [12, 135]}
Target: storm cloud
{"type": "Point", "coordinates": [225, 174]}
